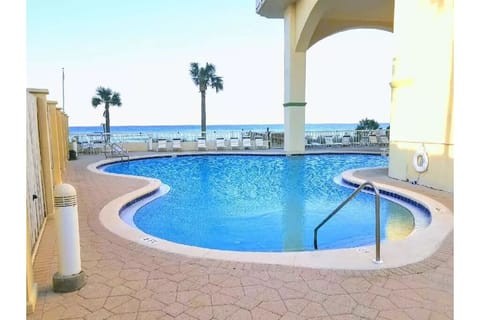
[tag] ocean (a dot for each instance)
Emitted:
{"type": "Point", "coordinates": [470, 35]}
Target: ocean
{"type": "Point", "coordinates": [192, 131]}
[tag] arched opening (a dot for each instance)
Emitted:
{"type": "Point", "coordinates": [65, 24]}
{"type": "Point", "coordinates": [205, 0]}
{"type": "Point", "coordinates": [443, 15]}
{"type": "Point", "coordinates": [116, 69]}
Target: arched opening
{"type": "Point", "coordinates": [348, 77]}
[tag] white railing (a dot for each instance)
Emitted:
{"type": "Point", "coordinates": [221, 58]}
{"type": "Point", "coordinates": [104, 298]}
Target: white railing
{"type": "Point", "coordinates": [145, 137]}
{"type": "Point", "coordinates": [347, 137]}
{"type": "Point", "coordinates": [313, 139]}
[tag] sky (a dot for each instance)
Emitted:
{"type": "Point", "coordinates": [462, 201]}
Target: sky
{"type": "Point", "coordinates": [143, 49]}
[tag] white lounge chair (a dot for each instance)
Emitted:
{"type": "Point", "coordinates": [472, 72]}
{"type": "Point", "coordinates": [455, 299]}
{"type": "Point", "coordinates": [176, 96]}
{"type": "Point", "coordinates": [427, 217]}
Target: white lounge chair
{"type": "Point", "coordinates": [246, 143]}
{"type": "Point", "coordinates": [372, 139]}
{"type": "Point", "coordinates": [329, 141]}
{"type": "Point", "coordinates": [234, 143]}
{"type": "Point", "coordinates": [308, 144]}
{"type": "Point", "coordinates": [85, 146]}
{"type": "Point", "coordinates": [177, 144]}
{"type": "Point", "coordinates": [259, 143]}
{"type": "Point", "coordinates": [220, 143]}
{"type": "Point", "coordinates": [201, 144]}
{"type": "Point", "coordinates": [383, 140]}
{"type": "Point", "coordinates": [162, 145]}
{"type": "Point", "coordinates": [311, 142]}
{"type": "Point", "coordinates": [98, 147]}
{"type": "Point", "coordinates": [346, 141]}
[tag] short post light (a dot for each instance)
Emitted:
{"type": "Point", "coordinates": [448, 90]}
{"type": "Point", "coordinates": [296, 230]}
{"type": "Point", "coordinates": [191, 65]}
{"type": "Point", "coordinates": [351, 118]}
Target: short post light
{"type": "Point", "coordinates": [75, 145]}
{"type": "Point", "coordinates": [70, 276]}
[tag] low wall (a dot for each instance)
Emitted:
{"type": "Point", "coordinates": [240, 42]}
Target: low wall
{"type": "Point", "coordinates": [186, 145]}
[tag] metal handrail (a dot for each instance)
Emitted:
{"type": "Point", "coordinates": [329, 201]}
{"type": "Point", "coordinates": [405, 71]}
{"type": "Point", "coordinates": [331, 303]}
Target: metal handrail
{"type": "Point", "coordinates": [117, 150]}
{"type": "Point", "coordinates": [377, 217]}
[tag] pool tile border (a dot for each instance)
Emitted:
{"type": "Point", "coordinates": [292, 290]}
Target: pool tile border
{"type": "Point", "coordinates": [417, 247]}
{"type": "Point", "coordinates": [391, 194]}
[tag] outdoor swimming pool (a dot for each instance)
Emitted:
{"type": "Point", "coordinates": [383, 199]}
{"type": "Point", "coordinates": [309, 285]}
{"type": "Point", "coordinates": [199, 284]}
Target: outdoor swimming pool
{"type": "Point", "coordinates": [264, 203]}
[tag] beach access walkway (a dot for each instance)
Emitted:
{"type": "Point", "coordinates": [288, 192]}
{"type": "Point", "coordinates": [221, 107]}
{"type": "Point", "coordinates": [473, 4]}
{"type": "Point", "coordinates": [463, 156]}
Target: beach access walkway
{"type": "Point", "coordinates": [126, 280]}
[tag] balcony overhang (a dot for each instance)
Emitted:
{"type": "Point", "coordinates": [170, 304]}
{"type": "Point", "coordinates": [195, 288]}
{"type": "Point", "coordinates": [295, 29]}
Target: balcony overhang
{"type": "Point", "coordinates": [272, 8]}
{"type": "Point", "coordinates": [318, 19]}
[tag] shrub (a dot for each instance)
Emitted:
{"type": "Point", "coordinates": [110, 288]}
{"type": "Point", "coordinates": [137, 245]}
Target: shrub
{"type": "Point", "coordinates": [367, 124]}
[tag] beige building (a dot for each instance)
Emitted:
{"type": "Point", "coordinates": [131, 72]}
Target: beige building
{"type": "Point", "coordinates": [421, 116]}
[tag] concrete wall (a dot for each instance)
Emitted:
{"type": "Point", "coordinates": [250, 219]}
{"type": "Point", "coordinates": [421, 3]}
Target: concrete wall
{"type": "Point", "coordinates": [422, 92]}
{"type": "Point", "coordinates": [186, 145]}
{"type": "Point", "coordinates": [47, 152]}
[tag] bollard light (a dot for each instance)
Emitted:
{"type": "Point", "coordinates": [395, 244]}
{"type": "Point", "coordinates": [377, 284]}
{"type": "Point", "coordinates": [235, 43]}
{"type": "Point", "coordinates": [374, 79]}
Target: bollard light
{"type": "Point", "coordinates": [70, 276]}
{"type": "Point", "coordinates": [74, 145]}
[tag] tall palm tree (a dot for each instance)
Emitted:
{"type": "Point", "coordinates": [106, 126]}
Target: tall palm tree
{"type": "Point", "coordinates": [108, 98]}
{"type": "Point", "coordinates": [204, 77]}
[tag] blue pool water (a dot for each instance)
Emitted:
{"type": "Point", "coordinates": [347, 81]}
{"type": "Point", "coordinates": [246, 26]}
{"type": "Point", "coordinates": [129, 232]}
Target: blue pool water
{"type": "Point", "coordinates": [262, 203]}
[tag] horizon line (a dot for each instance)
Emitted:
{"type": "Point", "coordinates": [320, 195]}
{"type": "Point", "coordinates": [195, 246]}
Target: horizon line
{"type": "Point", "coordinates": [224, 124]}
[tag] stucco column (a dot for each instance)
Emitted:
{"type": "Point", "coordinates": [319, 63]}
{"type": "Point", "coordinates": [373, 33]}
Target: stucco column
{"type": "Point", "coordinates": [294, 86]}
{"type": "Point", "coordinates": [422, 93]}
{"type": "Point", "coordinates": [57, 173]}
{"type": "Point", "coordinates": [45, 146]}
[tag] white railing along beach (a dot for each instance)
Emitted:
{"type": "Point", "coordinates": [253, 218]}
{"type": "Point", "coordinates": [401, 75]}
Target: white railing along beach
{"type": "Point", "coordinates": [273, 139]}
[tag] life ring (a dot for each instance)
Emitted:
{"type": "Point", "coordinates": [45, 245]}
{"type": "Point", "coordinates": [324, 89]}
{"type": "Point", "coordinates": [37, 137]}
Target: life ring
{"type": "Point", "coordinates": [420, 160]}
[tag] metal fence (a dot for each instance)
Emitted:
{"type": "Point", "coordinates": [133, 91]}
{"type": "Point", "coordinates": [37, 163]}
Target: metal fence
{"type": "Point", "coordinates": [313, 139]}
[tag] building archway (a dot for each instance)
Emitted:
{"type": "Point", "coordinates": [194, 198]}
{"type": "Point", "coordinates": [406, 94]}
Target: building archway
{"type": "Point", "coordinates": [422, 74]}
{"type": "Point", "coordinates": [348, 77]}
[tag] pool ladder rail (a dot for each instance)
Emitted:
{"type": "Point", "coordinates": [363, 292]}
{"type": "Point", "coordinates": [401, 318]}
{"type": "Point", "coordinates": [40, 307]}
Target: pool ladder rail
{"type": "Point", "coordinates": [116, 150]}
{"type": "Point", "coordinates": [377, 217]}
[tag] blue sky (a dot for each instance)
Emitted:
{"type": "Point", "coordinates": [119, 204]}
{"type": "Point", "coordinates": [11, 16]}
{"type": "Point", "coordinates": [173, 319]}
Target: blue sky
{"type": "Point", "coordinates": [142, 49]}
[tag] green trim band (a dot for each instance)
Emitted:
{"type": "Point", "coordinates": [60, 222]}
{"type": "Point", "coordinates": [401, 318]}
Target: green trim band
{"type": "Point", "coordinates": [294, 104]}
{"type": "Point", "coordinates": [401, 83]}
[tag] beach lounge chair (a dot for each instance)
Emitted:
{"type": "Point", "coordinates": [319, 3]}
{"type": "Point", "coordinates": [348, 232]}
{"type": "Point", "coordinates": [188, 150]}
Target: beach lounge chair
{"type": "Point", "coordinates": [383, 140]}
{"type": "Point", "coordinates": [259, 143]}
{"type": "Point", "coordinates": [177, 144]}
{"type": "Point", "coordinates": [346, 141]}
{"type": "Point", "coordinates": [311, 142]}
{"type": "Point", "coordinates": [372, 140]}
{"type": "Point", "coordinates": [220, 143]}
{"type": "Point", "coordinates": [85, 147]}
{"type": "Point", "coordinates": [162, 145]}
{"type": "Point", "coordinates": [98, 146]}
{"type": "Point", "coordinates": [363, 138]}
{"type": "Point", "coordinates": [246, 143]}
{"type": "Point", "coordinates": [234, 143]}
{"type": "Point", "coordinates": [308, 144]}
{"type": "Point", "coordinates": [201, 144]}
{"type": "Point", "coordinates": [328, 141]}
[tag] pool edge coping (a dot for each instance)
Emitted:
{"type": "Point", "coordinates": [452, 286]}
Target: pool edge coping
{"type": "Point", "coordinates": [415, 247]}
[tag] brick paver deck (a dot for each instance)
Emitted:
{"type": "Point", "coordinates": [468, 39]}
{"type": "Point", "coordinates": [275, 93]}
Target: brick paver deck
{"type": "Point", "coordinates": [130, 281]}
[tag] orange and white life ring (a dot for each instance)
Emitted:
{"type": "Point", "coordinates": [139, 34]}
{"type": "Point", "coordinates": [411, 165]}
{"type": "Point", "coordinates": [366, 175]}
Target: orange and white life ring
{"type": "Point", "coordinates": [420, 160]}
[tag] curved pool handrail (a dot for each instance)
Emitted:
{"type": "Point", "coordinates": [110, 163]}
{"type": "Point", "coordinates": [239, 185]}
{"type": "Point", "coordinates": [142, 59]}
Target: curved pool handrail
{"type": "Point", "coordinates": [377, 217]}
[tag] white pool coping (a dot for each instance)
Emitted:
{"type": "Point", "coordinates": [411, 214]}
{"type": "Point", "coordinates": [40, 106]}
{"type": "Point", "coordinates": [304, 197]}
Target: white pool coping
{"type": "Point", "coordinates": [418, 246]}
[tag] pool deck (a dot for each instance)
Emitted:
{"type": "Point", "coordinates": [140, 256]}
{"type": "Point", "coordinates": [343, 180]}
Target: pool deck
{"type": "Point", "coordinates": [127, 280]}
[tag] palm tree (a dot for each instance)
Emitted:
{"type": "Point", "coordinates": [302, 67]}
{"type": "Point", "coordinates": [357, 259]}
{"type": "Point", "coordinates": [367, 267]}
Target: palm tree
{"type": "Point", "coordinates": [204, 77]}
{"type": "Point", "coordinates": [108, 98]}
